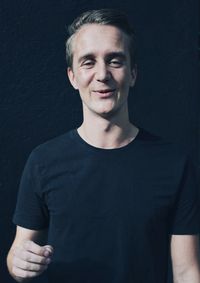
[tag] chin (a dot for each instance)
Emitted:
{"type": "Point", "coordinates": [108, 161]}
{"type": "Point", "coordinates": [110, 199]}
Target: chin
{"type": "Point", "coordinates": [107, 114]}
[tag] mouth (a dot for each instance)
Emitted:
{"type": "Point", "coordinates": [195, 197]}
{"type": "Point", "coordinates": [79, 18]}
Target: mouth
{"type": "Point", "coordinates": [104, 92]}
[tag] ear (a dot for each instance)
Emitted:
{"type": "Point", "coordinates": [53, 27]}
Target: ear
{"type": "Point", "coordinates": [133, 75]}
{"type": "Point", "coordinates": [72, 78]}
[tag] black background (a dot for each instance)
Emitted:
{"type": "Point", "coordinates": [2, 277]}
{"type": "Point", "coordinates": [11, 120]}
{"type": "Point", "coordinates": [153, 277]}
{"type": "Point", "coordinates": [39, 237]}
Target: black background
{"type": "Point", "coordinates": [37, 102]}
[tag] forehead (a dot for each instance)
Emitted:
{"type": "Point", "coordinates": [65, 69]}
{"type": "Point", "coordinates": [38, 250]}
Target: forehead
{"type": "Point", "coordinates": [96, 38]}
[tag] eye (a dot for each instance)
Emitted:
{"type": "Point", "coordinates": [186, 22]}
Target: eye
{"type": "Point", "coordinates": [116, 63]}
{"type": "Point", "coordinates": [88, 63]}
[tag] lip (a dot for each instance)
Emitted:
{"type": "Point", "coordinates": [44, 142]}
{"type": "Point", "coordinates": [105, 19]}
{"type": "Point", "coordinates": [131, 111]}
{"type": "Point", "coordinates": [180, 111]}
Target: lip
{"type": "Point", "coordinates": [104, 92]}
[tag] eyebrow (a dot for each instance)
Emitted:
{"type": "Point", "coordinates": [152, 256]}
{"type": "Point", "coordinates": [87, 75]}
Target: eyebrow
{"type": "Point", "coordinates": [116, 54]}
{"type": "Point", "coordinates": [86, 57]}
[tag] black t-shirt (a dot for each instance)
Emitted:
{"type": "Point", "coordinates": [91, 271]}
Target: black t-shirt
{"type": "Point", "coordinates": [109, 212]}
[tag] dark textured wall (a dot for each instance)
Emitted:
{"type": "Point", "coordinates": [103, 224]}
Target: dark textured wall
{"type": "Point", "coordinates": [37, 102]}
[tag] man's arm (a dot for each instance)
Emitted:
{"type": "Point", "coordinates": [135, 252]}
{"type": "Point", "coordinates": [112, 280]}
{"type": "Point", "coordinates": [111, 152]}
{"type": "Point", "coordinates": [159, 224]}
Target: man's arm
{"type": "Point", "coordinates": [185, 253]}
{"type": "Point", "coordinates": [26, 258]}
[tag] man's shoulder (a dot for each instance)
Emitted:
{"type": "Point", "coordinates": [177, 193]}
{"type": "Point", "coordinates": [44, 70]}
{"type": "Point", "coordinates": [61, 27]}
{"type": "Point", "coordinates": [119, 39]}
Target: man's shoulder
{"type": "Point", "coordinates": [160, 145]}
{"type": "Point", "coordinates": [54, 148]}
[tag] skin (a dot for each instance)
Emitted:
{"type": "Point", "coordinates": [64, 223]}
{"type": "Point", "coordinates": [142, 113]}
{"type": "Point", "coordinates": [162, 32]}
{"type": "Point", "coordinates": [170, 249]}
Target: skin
{"type": "Point", "coordinates": [101, 60]}
{"type": "Point", "coordinates": [27, 257]}
{"type": "Point", "coordinates": [185, 258]}
{"type": "Point", "coordinates": [97, 66]}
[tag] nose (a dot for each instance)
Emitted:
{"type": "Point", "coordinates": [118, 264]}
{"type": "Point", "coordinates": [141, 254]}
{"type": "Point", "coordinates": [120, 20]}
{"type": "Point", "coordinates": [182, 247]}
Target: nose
{"type": "Point", "coordinates": [102, 72]}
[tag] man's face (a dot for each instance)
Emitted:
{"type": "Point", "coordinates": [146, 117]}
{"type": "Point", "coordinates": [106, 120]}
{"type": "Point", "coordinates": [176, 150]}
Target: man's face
{"type": "Point", "coordinates": [101, 68]}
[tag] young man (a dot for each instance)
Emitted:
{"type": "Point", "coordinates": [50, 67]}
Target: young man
{"type": "Point", "coordinates": [116, 200]}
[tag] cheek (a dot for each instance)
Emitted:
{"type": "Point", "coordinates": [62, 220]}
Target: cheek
{"type": "Point", "coordinates": [128, 78]}
{"type": "Point", "coordinates": [123, 79]}
{"type": "Point", "coordinates": [83, 78]}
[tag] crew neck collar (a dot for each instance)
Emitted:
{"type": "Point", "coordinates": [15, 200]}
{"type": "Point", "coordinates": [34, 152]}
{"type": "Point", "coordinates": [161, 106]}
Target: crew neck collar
{"type": "Point", "coordinates": [90, 147]}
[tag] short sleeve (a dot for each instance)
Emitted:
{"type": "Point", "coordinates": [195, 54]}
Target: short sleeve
{"type": "Point", "coordinates": [186, 213]}
{"type": "Point", "coordinates": [31, 211]}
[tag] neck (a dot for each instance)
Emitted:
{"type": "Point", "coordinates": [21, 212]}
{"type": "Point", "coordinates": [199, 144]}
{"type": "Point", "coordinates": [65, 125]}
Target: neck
{"type": "Point", "coordinates": [112, 132]}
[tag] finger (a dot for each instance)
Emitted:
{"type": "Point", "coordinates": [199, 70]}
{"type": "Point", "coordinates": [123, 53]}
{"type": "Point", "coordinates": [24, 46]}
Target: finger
{"type": "Point", "coordinates": [24, 273]}
{"type": "Point", "coordinates": [34, 248]}
{"type": "Point", "coordinates": [48, 250]}
{"type": "Point", "coordinates": [28, 266]}
{"type": "Point", "coordinates": [30, 257]}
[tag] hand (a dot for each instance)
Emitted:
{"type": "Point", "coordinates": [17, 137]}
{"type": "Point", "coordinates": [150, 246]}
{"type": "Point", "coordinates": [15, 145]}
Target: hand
{"type": "Point", "coordinates": [30, 259]}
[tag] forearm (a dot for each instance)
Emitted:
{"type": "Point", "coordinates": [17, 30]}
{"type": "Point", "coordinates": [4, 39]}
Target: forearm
{"type": "Point", "coordinates": [188, 276]}
{"type": "Point", "coordinates": [185, 258]}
